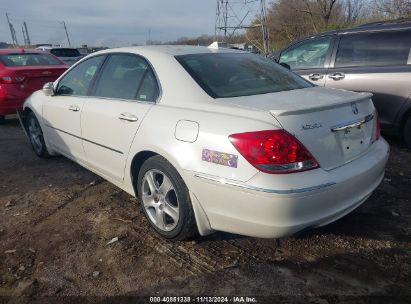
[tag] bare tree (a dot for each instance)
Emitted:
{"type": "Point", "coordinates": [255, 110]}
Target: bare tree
{"type": "Point", "coordinates": [326, 9]}
{"type": "Point", "coordinates": [393, 8]}
{"type": "Point", "coordinates": [289, 20]}
{"type": "Point", "coordinates": [354, 11]}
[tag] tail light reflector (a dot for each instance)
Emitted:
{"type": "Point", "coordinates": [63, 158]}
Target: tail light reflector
{"type": "Point", "coordinates": [10, 79]}
{"type": "Point", "coordinates": [6, 79]}
{"type": "Point", "coordinates": [274, 151]}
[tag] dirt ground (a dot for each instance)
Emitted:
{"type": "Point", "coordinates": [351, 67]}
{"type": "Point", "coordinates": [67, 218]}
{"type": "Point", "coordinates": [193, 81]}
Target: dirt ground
{"type": "Point", "coordinates": [56, 219]}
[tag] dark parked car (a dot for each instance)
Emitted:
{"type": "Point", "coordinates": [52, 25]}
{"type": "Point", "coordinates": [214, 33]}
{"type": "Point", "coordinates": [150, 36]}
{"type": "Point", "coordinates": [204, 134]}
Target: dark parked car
{"type": "Point", "coordinates": [68, 55]}
{"type": "Point", "coordinates": [372, 58]}
{"type": "Point", "coordinates": [21, 73]}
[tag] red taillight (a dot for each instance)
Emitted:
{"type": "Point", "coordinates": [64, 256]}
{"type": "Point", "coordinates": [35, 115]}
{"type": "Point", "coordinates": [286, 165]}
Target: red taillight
{"type": "Point", "coordinates": [3, 93]}
{"type": "Point", "coordinates": [377, 126]}
{"type": "Point", "coordinates": [274, 151]}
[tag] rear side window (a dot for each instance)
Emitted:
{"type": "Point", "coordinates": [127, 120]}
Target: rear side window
{"type": "Point", "coordinates": [374, 49]}
{"type": "Point", "coordinates": [127, 77]}
{"type": "Point", "coordinates": [239, 74]}
{"type": "Point", "coordinates": [26, 59]}
{"type": "Point", "coordinates": [65, 52]}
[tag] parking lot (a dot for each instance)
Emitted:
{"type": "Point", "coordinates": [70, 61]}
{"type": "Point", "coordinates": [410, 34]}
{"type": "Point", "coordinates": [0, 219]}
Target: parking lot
{"type": "Point", "coordinates": [56, 220]}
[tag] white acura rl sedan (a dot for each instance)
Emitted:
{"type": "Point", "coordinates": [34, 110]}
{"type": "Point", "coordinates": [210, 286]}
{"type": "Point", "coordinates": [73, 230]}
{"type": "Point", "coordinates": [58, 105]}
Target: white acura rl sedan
{"type": "Point", "coordinates": [212, 139]}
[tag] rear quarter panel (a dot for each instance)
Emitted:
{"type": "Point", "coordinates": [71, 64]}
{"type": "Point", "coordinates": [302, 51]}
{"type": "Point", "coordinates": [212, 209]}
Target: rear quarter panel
{"type": "Point", "coordinates": [157, 134]}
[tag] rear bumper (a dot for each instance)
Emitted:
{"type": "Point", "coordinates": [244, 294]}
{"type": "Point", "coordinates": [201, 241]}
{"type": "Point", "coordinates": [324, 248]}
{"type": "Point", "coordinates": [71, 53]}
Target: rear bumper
{"type": "Point", "coordinates": [11, 99]}
{"type": "Point", "coordinates": [10, 108]}
{"type": "Point", "coordinates": [276, 206]}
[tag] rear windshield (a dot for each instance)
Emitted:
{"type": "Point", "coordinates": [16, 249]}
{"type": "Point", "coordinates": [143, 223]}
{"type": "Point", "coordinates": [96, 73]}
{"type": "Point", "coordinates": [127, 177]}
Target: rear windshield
{"type": "Point", "coordinates": [239, 74]}
{"type": "Point", "coordinates": [65, 52]}
{"type": "Point", "coordinates": [26, 59]}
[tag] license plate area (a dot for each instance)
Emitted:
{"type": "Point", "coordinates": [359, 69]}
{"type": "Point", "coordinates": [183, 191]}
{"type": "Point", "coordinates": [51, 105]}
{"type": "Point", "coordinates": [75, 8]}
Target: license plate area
{"type": "Point", "coordinates": [354, 140]}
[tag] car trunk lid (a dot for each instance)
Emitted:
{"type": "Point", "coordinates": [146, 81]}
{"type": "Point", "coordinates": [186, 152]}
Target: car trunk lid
{"type": "Point", "coordinates": [30, 79]}
{"type": "Point", "coordinates": [335, 126]}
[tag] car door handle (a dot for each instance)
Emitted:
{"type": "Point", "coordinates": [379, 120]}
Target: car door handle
{"type": "Point", "coordinates": [316, 77]}
{"type": "Point", "coordinates": [337, 76]}
{"type": "Point", "coordinates": [74, 108]}
{"type": "Point", "coordinates": [128, 117]}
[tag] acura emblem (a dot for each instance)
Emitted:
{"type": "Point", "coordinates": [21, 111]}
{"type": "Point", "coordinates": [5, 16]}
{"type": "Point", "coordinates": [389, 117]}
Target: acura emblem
{"type": "Point", "coordinates": [354, 108]}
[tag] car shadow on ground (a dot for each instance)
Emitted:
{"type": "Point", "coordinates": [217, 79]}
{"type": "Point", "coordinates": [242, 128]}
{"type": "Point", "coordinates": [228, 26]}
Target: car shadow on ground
{"type": "Point", "coordinates": [336, 278]}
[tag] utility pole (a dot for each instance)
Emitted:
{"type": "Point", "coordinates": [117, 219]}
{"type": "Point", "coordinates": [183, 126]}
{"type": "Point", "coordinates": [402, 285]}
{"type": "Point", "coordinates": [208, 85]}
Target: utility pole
{"type": "Point", "coordinates": [65, 28]}
{"type": "Point", "coordinates": [27, 33]}
{"type": "Point", "coordinates": [24, 35]}
{"type": "Point", "coordinates": [234, 17]}
{"type": "Point", "coordinates": [12, 32]}
{"type": "Point", "coordinates": [264, 29]}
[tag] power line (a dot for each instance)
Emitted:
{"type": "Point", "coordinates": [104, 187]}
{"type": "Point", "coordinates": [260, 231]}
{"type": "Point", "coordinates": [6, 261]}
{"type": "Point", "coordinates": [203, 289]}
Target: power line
{"type": "Point", "coordinates": [235, 16]}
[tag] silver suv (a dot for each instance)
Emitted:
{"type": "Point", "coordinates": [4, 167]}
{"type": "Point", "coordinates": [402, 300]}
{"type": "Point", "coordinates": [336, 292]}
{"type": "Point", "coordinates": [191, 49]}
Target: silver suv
{"type": "Point", "coordinates": [373, 58]}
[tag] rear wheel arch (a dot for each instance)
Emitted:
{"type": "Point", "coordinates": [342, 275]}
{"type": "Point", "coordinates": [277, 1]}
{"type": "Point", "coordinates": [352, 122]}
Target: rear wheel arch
{"type": "Point", "coordinates": [136, 164]}
{"type": "Point", "coordinates": [143, 155]}
{"type": "Point", "coordinates": [203, 223]}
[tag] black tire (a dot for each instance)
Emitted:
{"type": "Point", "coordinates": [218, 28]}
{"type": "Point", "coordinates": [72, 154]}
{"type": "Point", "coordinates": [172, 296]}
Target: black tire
{"type": "Point", "coordinates": [407, 133]}
{"type": "Point", "coordinates": [36, 137]}
{"type": "Point", "coordinates": [185, 227]}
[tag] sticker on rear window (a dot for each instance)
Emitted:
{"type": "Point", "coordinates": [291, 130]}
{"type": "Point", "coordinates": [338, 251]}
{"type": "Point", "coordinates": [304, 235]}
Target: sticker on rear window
{"type": "Point", "coordinates": [225, 159]}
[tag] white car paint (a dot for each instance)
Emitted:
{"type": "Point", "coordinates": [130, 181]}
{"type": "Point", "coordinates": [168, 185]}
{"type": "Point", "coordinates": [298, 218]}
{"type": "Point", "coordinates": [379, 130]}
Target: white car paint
{"type": "Point", "coordinates": [185, 120]}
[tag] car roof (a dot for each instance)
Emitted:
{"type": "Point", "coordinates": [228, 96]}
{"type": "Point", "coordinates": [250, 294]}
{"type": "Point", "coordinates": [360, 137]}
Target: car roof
{"type": "Point", "coordinates": [19, 51]}
{"type": "Point", "coordinates": [172, 50]}
{"type": "Point", "coordinates": [370, 27]}
{"type": "Point", "coordinates": [56, 48]}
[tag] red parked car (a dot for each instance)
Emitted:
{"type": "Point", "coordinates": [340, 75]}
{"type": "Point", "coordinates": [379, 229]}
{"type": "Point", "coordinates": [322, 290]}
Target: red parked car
{"type": "Point", "coordinates": [21, 73]}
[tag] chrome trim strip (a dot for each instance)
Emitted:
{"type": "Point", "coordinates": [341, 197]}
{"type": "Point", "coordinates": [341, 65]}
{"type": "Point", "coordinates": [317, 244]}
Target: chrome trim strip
{"type": "Point", "coordinates": [352, 124]}
{"type": "Point", "coordinates": [89, 141]}
{"type": "Point", "coordinates": [290, 191]}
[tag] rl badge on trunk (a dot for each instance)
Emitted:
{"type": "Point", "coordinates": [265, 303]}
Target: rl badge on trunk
{"type": "Point", "coordinates": [225, 159]}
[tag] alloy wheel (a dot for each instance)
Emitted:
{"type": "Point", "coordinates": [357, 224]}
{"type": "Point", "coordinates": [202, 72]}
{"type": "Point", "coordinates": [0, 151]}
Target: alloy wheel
{"type": "Point", "coordinates": [160, 200]}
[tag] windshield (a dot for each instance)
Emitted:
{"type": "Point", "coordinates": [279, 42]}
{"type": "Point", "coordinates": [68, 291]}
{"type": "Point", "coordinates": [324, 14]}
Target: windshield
{"type": "Point", "coordinates": [65, 52]}
{"type": "Point", "coordinates": [27, 59]}
{"type": "Point", "coordinates": [239, 74]}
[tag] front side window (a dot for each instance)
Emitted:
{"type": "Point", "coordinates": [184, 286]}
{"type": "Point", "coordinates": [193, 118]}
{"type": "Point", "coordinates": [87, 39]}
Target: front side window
{"type": "Point", "coordinates": [127, 77]}
{"type": "Point", "coordinates": [27, 59]}
{"type": "Point", "coordinates": [374, 49]}
{"type": "Point", "coordinates": [239, 74]}
{"type": "Point", "coordinates": [307, 55]}
{"type": "Point", "coordinates": [77, 81]}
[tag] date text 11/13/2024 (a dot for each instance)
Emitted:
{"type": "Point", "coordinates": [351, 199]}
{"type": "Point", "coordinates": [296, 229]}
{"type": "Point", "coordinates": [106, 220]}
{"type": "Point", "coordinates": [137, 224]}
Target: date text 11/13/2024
{"type": "Point", "coordinates": [204, 299]}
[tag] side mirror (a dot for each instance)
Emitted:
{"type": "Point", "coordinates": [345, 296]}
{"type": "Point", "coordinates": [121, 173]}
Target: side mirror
{"type": "Point", "coordinates": [48, 89]}
{"type": "Point", "coordinates": [287, 66]}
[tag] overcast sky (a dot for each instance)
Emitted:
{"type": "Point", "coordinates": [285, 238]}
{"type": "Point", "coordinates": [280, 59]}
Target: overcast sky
{"type": "Point", "coordinates": [107, 22]}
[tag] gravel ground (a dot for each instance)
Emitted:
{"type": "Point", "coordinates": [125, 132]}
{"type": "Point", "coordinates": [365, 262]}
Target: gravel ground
{"type": "Point", "coordinates": [56, 219]}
